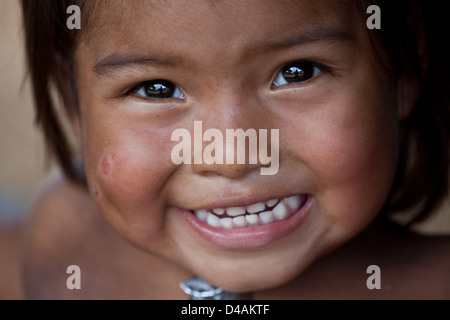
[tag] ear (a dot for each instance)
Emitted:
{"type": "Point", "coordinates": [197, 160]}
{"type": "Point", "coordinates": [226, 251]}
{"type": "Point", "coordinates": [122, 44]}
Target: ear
{"type": "Point", "coordinates": [408, 91]}
{"type": "Point", "coordinates": [65, 81]}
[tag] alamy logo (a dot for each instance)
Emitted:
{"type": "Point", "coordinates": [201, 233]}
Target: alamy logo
{"type": "Point", "coordinates": [374, 21]}
{"type": "Point", "coordinates": [374, 281]}
{"type": "Point", "coordinates": [74, 21]}
{"type": "Point", "coordinates": [74, 280]}
{"type": "Point", "coordinates": [213, 153]}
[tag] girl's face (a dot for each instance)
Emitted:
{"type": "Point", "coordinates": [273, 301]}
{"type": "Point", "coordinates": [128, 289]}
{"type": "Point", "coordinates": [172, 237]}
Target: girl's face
{"type": "Point", "coordinates": [307, 68]}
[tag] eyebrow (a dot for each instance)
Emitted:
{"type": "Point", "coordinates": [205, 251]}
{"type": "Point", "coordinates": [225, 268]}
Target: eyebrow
{"type": "Point", "coordinates": [121, 59]}
{"type": "Point", "coordinates": [321, 33]}
{"type": "Point", "coordinates": [117, 60]}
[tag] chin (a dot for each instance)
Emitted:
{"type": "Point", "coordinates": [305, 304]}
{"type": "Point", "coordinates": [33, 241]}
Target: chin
{"type": "Point", "coordinates": [255, 279]}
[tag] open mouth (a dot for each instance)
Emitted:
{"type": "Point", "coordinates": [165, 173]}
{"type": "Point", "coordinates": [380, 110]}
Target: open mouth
{"type": "Point", "coordinates": [261, 213]}
{"type": "Point", "coordinates": [252, 226]}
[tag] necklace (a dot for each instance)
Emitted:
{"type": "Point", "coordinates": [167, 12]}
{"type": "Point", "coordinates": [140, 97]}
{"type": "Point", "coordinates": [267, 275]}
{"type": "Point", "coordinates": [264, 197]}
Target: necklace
{"type": "Point", "coordinates": [199, 289]}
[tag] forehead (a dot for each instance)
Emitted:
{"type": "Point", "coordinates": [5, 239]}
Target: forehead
{"type": "Point", "coordinates": [107, 11]}
{"type": "Point", "coordinates": [173, 24]}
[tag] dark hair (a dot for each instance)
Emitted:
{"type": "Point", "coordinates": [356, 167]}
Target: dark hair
{"type": "Point", "coordinates": [48, 39]}
{"type": "Point", "coordinates": [409, 35]}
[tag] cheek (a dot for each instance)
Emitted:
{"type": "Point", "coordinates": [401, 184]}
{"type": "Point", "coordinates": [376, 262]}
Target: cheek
{"type": "Point", "coordinates": [356, 162]}
{"type": "Point", "coordinates": [353, 156]}
{"type": "Point", "coordinates": [127, 177]}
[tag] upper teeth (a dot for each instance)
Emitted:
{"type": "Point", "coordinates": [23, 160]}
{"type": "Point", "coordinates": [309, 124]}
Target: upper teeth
{"type": "Point", "coordinates": [252, 215]}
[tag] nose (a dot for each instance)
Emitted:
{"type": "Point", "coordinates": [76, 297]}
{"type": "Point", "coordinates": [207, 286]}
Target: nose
{"type": "Point", "coordinates": [233, 141]}
{"type": "Point", "coordinates": [232, 153]}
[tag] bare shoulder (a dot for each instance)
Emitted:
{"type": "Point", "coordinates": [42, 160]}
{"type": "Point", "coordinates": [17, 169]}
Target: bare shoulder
{"type": "Point", "coordinates": [10, 251]}
{"type": "Point", "coordinates": [65, 229]}
{"type": "Point", "coordinates": [62, 224]}
{"type": "Point", "coordinates": [411, 265]}
{"type": "Point", "coordinates": [381, 263]}
{"type": "Point", "coordinates": [61, 208]}
{"type": "Point", "coordinates": [432, 264]}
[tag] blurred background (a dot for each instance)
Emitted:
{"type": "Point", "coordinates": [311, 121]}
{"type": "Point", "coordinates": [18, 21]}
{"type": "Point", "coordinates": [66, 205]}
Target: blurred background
{"type": "Point", "coordinates": [22, 153]}
{"type": "Point", "coordinates": [21, 147]}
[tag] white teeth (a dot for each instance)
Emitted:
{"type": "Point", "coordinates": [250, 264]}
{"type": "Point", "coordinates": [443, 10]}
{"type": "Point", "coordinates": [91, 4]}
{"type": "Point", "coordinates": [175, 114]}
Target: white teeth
{"type": "Point", "coordinates": [271, 203]}
{"type": "Point", "coordinates": [201, 214]}
{"type": "Point", "coordinates": [257, 207]}
{"type": "Point", "coordinates": [235, 211]}
{"type": "Point", "coordinates": [252, 219]}
{"type": "Point", "coordinates": [266, 217]}
{"type": "Point", "coordinates": [227, 223]}
{"type": "Point", "coordinates": [213, 220]}
{"type": "Point", "coordinates": [280, 211]}
{"type": "Point", "coordinates": [240, 221]}
{"type": "Point", "coordinates": [293, 202]}
{"type": "Point", "coordinates": [241, 217]}
{"type": "Point", "coordinates": [218, 211]}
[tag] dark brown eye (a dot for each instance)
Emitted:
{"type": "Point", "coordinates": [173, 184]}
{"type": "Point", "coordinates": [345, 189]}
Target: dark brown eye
{"type": "Point", "coordinates": [158, 89]}
{"type": "Point", "coordinates": [296, 72]}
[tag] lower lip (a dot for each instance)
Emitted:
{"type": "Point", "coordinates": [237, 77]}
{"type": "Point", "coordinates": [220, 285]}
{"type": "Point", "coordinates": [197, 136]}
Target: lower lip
{"type": "Point", "coordinates": [249, 237]}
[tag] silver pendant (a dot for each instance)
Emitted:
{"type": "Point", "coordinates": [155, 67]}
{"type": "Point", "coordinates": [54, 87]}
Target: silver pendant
{"type": "Point", "coordinates": [199, 289]}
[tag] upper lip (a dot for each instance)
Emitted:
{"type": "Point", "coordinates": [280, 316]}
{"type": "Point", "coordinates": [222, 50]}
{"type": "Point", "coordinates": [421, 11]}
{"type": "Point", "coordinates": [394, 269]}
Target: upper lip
{"type": "Point", "coordinates": [224, 202]}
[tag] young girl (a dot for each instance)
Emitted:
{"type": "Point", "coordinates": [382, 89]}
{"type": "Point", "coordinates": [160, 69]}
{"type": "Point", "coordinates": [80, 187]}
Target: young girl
{"type": "Point", "coordinates": [362, 116]}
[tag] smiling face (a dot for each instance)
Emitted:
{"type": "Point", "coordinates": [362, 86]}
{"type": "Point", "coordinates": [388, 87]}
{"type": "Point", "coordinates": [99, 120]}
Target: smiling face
{"type": "Point", "coordinates": [307, 68]}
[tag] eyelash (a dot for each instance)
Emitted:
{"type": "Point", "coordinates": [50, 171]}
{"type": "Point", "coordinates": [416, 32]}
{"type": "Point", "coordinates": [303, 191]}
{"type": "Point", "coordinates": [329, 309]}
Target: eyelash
{"type": "Point", "coordinates": [162, 87]}
{"type": "Point", "coordinates": [313, 69]}
{"type": "Point", "coordinates": [167, 89]}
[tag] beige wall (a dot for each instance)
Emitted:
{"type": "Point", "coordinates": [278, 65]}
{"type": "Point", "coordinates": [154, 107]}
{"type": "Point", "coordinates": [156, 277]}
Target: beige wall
{"type": "Point", "coordinates": [21, 148]}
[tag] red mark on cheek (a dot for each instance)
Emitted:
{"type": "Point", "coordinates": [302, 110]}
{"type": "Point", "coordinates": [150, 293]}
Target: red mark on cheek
{"type": "Point", "coordinates": [106, 166]}
{"type": "Point", "coordinates": [108, 163]}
